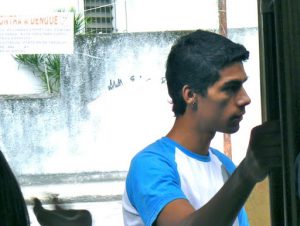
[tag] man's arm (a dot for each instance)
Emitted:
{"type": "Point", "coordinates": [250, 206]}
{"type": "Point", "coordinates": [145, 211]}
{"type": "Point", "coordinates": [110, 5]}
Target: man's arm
{"type": "Point", "coordinates": [263, 154]}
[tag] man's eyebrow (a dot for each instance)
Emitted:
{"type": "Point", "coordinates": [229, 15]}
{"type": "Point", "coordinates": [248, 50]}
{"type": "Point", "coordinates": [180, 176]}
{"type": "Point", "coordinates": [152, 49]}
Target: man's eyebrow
{"type": "Point", "coordinates": [236, 81]}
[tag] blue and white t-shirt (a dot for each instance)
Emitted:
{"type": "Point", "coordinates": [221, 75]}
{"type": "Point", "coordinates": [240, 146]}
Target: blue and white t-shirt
{"type": "Point", "coordinates": [165, 171]}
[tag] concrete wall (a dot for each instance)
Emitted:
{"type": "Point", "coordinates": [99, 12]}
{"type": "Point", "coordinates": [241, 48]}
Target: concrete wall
{"type": "Point", "coordinates": [88, 124]}
{"type": "Point", "coordinates": [113, 102]}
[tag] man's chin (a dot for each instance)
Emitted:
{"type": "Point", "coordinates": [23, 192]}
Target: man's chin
{"type": "Point", "coordinates": [231, 129]}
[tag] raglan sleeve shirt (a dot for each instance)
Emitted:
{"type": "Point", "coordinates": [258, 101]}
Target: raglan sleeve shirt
{"type": "Point", "coordinates": [152, 182]}
{"type": "Point", "coordinates": [165, 171]}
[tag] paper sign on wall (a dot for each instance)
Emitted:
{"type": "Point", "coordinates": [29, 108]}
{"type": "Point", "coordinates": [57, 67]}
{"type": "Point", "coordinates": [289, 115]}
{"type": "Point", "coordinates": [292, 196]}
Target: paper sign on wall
{"type": "Point", "coordinates": [37, 34]}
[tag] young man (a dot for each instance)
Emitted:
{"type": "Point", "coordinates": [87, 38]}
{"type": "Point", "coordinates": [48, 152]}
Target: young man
{"type": "Point", "coordinates": [179, 179]}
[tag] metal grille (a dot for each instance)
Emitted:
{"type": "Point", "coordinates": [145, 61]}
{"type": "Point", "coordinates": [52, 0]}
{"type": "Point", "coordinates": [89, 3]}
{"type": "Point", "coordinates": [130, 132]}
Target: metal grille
{"type": "Point", "coordinates": [101, 15]}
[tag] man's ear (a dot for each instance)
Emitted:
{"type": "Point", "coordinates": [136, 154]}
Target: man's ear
{"type": "Point", "coordinates": [189, 95]}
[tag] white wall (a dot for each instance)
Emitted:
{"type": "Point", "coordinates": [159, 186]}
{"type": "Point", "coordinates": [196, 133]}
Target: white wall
{"type": "Point", "coordinates": [15, 79]}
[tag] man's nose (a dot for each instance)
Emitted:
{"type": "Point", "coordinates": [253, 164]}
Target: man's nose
{"type": "Point", "coordinates": [243, 98]}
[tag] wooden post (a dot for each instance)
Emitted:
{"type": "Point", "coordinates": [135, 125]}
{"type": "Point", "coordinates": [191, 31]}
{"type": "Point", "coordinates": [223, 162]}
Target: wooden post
{"type": "Point", "coordinates": [227, 145]}
{"type": "Point", "coordinates": [222, 17]}
{"type": "Point", "coordinates": [223, 31]}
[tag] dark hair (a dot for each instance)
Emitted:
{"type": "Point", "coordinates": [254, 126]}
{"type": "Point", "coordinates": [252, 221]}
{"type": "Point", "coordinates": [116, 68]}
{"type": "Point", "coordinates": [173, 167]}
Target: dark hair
{"type": "Point", "coordinates": [195, 60]}
{"type": "Point", "coordinates": [13, 209]}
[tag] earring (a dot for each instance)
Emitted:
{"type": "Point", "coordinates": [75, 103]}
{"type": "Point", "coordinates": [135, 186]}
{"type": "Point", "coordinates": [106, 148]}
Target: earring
{"type": "Point", "coordinates": [194, 106]}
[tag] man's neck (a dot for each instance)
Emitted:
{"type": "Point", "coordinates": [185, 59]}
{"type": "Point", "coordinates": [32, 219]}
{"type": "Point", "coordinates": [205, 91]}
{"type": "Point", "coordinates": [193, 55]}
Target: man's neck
{"type": "Point", "coordinates": [195, 141]}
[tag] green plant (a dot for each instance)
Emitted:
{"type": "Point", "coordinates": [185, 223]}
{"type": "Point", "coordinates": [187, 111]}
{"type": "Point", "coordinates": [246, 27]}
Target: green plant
{"type": "Point", "coordinates": [47, 66]}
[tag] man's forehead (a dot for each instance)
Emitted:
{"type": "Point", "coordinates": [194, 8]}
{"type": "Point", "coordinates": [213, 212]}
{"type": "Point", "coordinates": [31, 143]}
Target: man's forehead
{"type": "Point", "coordinates": [231, 73]}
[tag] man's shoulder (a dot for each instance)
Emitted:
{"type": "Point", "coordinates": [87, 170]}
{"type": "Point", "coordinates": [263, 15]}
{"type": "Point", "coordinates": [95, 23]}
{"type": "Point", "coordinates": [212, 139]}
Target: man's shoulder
{"type": "Point", "coordinates": [159, 148]}
{"type": "Point", "coordinates": [155, 159]}
{"type": "Point", "coordinates": [156, 153]}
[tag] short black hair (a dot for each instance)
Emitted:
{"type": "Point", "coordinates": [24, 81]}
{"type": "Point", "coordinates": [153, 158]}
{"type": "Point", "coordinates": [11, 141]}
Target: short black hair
{"type": "Point", "coordinates": [13, 208]}
{"type": "Point", "coordinates": [195, 59]}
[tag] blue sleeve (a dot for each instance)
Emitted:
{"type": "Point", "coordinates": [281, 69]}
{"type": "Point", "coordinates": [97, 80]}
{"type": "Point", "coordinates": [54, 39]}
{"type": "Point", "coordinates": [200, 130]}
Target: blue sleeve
{"type": "Point", "coordinates": [152, 182]}
{"type": "Point", "coordinates": [243, 218]}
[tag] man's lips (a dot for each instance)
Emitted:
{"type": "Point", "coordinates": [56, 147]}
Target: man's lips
{"type": "Point", "coordinates": [238, 118]}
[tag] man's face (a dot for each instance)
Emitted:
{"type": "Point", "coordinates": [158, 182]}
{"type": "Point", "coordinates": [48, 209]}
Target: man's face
{"type": "Point", "coordinates": [224, 105]}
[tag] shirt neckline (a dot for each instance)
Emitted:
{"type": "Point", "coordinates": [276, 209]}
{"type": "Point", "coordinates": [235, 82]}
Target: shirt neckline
{"type": "Point", "coordinates": [203, 158]}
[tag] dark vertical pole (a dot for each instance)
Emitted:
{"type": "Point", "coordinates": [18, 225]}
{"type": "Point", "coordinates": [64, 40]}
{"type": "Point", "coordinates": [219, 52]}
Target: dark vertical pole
{"type": "Point", "coordinates": [287, 14]}
{"type": "Point", "coordinates": [280, 68]}
{"type": "Point", "coordinates": [270, 108]}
